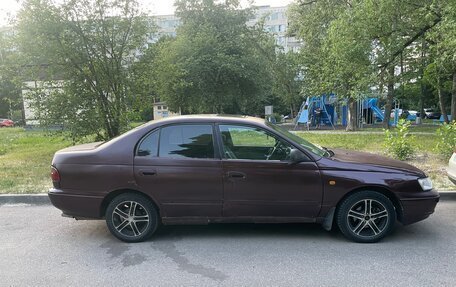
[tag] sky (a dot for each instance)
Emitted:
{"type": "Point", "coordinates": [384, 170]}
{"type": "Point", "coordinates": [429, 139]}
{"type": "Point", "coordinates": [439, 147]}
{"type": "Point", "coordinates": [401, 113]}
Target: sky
{"type": "Point", "coordinates": [8, 8]}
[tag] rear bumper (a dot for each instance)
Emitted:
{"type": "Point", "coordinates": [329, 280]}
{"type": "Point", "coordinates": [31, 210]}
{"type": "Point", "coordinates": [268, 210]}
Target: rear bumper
{"type": "Point", "coordinates": [418, 206]}
{"type": "Point", "coordinates": [76, 205]}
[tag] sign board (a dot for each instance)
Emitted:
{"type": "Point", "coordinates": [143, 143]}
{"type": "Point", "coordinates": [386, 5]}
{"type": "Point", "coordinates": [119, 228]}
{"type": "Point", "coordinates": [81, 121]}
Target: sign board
{"type": "Point", "coordinates": [268, 110]}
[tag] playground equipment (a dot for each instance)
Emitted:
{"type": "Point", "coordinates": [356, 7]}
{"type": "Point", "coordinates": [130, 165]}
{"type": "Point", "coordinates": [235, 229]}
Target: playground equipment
{"type": "Point", "coordinates": [307, 112]}
{"type": "Point", "coordinates": [367, 111]}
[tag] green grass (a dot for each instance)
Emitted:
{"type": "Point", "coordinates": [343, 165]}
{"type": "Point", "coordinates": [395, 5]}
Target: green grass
{"type": "Point", "coordinates": [25, 157]}
{"type": "Point", "coordinates": [365, 142]}
{"type": "Point", "coordinates": [424, 128]}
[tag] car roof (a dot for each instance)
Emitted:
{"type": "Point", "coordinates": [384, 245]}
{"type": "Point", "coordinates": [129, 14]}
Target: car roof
{"type": "Point", "coordinates": [210, 118]}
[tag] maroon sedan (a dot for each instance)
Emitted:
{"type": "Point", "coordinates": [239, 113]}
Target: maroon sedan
{"type": "Point", "coordinates": [205, 169]}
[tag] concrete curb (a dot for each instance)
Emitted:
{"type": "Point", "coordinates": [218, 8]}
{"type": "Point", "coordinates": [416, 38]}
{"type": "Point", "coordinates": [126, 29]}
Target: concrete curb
{"type": "Point", "coordinates": [43, 199]}
{"type": "Point", "coordinates": [33, 199]}
{"type": "Point", "coordinates": [448, 195]}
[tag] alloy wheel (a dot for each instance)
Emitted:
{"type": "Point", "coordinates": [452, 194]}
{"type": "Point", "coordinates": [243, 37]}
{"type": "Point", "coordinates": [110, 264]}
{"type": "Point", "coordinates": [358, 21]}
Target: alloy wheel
{"type": "Point", "coordinates": [130, 218]}
{"type": "Point", "coordinates": [367, 218]}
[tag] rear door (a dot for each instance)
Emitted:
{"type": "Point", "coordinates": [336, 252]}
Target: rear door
{"type": "Point", "coordinates": [176, 165]}
{"type": "Point", "coordinates": [259, 180]}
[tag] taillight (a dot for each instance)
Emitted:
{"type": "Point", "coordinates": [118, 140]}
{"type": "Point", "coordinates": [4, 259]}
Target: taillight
{"type": "Point", "coordinates": [55, 175]}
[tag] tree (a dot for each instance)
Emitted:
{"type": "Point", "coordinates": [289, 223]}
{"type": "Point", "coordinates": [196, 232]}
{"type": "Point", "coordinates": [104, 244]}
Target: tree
{"type": "Point", "coordinates": [216, 64]}
{"type": "Point", "coordinates": [392, 28]}
{"type": "Point", "coordinates": [10, 86]}
{"type": "Point", "coordinates": [287, 77]}
{"type": "Point", "coordinates": [89, 45]}
{"type": "Point", "coordinates": [336, 51]}
{"type": "Point", "coordinates": [442, 66]}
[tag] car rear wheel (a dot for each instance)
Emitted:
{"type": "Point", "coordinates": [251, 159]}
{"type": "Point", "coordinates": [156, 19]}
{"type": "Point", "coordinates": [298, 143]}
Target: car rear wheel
{"type": "Point", "coordinates": [131, 217]}
{"type": "Point", "coordinates": [366, 216]}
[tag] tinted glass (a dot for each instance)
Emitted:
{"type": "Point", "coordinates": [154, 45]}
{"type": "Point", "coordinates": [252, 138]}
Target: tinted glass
{"type": "Point", "coordinates": [241, 142]}
{"type": "Point", "coordinates": [186, 141]}
{"type": "Point", "coordinates": [149, 146]}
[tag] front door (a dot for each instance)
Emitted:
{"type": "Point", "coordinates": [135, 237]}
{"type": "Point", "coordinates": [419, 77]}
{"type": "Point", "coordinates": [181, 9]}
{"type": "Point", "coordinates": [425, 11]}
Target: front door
{"type": "Point", "coordinates": [177, 166]}
{"type": "Point", "coordinates": [260, 181]}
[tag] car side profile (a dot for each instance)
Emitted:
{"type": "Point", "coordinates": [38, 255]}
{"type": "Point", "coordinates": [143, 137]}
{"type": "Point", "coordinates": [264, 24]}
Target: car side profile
{"type": "Point", "coordinates": [228, 169]}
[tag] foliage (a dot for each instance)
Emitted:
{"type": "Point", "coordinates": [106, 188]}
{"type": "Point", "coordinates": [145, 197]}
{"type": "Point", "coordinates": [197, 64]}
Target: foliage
{"type": "Point", "coordinates": [398, 143]}
{"type": "Point", "coordinates": [337, 52]}
{"type": "Point", "coordinates": [216, 64]}
{"type": "Point", "coordinates": [446, 136]}
{"type": "Point", "coordinates": [91, 46]}
{"type": "Point", "coordinates": [10, 85]}
{"type": "Point", "coordinates": [354, 47]}
{"type": "Point", "coordinates": [287, 80]}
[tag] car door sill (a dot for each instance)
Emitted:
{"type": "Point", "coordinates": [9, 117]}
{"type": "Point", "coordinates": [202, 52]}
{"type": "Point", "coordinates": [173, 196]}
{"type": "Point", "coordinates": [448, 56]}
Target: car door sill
{"type": "Point", "coordinates": [240, 219]}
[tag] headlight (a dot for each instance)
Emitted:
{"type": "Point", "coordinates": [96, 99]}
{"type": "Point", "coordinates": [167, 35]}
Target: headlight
{"type": "Point", "coordinates": [426, 183]}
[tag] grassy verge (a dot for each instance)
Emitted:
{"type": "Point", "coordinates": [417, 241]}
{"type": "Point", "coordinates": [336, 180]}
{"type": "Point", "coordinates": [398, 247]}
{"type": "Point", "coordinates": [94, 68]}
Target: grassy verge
{"type": "Point", "coordinates": [25, 156]}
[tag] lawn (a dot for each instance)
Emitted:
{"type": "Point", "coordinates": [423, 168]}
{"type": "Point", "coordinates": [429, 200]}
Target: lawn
{"type": "Point", "coordinates": [25, 156]}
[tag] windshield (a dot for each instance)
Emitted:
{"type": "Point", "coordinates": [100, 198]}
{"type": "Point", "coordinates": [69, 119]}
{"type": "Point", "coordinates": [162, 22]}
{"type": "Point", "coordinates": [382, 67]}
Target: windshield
{"type": "Point", "coordinates": [307, 145]}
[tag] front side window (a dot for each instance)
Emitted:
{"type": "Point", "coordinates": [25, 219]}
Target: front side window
{"type": "Point", "coordinates": [186, 141]}
{"type": "Point", "coordinates": [242, 142]}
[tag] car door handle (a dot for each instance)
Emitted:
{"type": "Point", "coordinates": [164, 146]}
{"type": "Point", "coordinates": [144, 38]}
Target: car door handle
{"type": "Point", "coordinates": [236, 174]}
{"type": "Point", "coordinates": [147, 172]}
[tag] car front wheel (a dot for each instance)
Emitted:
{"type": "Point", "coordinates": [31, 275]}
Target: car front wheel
{"type": "Point", "coordinates": [366, 216]}
{"type": "Point", "coordinates": [131, 217]}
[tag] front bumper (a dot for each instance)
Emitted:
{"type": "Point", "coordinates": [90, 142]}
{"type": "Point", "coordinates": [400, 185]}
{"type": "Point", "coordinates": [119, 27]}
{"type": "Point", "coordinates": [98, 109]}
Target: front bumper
{"type": "Point", "coordinates": [76, 205]}
{"type": "Point", "coordinates": [418, 205]}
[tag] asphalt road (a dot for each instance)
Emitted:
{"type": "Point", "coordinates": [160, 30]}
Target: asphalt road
{"type": "Point", "coordinates": [39, 247]}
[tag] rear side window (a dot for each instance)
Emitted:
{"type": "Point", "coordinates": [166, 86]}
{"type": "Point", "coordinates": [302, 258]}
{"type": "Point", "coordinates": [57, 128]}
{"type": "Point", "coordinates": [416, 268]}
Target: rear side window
{"type": "Point", "coordinates": [149, 146]}
{"type": "Point", "coordinates": [186, 141]}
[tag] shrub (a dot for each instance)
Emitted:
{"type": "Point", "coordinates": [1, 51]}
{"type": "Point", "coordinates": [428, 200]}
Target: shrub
{"type": "Point", "coordinates": [446, 139]}
{"type": "Point", "coordinates": [397, 143]}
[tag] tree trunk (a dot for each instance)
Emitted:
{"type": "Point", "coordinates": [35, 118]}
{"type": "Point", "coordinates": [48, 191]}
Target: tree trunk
{"type": "Point", "coordinates": [422, 86]}
{"type": "Point", "coordinates": [422, 96]}
{"type": "Point", "coordinates": [453, 98]}
{"type": "Point", "coordinates": [352, 122]}
{"type": "Point", "coordinates": [441, 100]}
{"type": "Point", "coordinates": [389, 97]}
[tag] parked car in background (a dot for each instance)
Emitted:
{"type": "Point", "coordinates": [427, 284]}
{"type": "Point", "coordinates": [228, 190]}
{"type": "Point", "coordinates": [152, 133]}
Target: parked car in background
{"type": "Point", "coordinates": [224, 169]}
{"type": "Point", "coordinates": [6, 123]}
{"type": "Point", "coordinates": [431, 114]}
{"type": "Point", "coordinates": [451, 170]}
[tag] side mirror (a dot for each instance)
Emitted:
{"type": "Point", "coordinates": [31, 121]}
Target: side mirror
{"type": "Point", "coordinates": [297, 156]}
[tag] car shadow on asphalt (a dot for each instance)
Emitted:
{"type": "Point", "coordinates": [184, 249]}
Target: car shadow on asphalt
{"type": "Point", "coordinates": [422, 231]}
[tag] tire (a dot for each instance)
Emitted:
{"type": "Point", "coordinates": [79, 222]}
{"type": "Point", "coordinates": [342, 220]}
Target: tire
{"type": "Point", "coordinates": [366, 216]}
{"type": "Point", "coordinates": [132, 217]}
